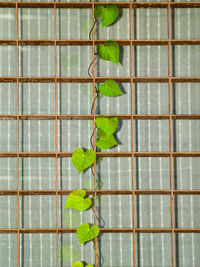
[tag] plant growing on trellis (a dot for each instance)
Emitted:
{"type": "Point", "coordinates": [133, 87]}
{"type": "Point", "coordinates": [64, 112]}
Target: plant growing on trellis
{"type": "Point", "coordinates": [106, 127]}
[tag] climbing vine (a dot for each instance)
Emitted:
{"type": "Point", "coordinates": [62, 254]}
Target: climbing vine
{"type": "Point", "coordinates": [105, 127]}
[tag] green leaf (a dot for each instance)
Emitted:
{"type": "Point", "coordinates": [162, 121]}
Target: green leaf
{"type": "Point", "coordinates": [80, 264]}
{"type": "Point", "coordinates": [77, 264]}
{"type": "Point", "coordinates": [100, 132]}
{"type": "Point", "coordinates": [85, 233]}
{"type": "Point", "coordinates": [105, 142]}
{"type": "Point", "coordinates": [108, 125]}
{"type": "Point", "coordinates": [82, 160]}
{"type": "Point", "coordinates": [109, 51]}
{"type": "Point", "coordinates": [107, 14]}
{"type": "Point", "coordinates": [110, 88]}
{"type": "Point", "coordinates": [77, 201]}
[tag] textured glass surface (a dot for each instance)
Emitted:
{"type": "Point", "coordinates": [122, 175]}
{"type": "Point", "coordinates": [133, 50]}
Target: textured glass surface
{"type": "Point", "coordinates": [36, 61]}
{"type": "Point", "coordinates": [186, 98]}
{"type": "Point", "coordinates": [153, 211]}
{"type": "Point", "coordinates": [114, 173]}
{"type": "Point", "coordinates": [189, 65]}
{"type": "Point", "coordinates": [150, 61]}
{"type": "Point", "coordinates": [39, 249]}
{"type": "Point", "coordinates": [38, 212]}
{"type": "Point", "coordinates": [184, 139]}
{"type": "Point", "coordinates": [8, 174]}
{"type": "Point", "coordinates": [7, 23]}
{"type": "Point", "coordinates": [8, 212]}
{"type": "Point", "coordinates": [152, 173]}
{"type": "Point", "coordinates": [37, 173]}
{"type": "Point", "coordinates": [34, 95]}
{"type": "Point", "coordinates": [186, 248]}
{"type": "Point", "coordinates": [150, 24]}
{"type": "Point", "coordinates": [61, 96]}
{"type": "Point", "coordinates": [187, 205]}
{"type": "Point", "coordinates": [185, 23]}
{"type": "Point", "coordinates": [151, 135]}
{"type": "Point", "coordinates": [8, 136]}
{"type": "Point", "coordinates": [37, 136]}
{"type": "Point", "coordinates": [153, 250]}
{"type": "Point", "coordinates": [8, 92]}
{"type": "Point", "coordinates": [186, 173]}
{"type": "Point", "coordinates": [151, 98]}
{"type": "Point", "coordinates": [72, 95]}
{"type": "Point", "coordinates": [115, 211]}
{"type": "Point", "coordinates": [36, 23]}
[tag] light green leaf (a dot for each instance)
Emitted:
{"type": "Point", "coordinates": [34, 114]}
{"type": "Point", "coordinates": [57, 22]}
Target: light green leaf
{"type": "Point", "coordinates": [82, 160]}
{"type": "Point", "coordinates": [80, 264]}
{"type": "Point", "coordinates": [107, 14]}
{"type": "Point", "coordinates": [105, 142]}
{"type": "Point", "coordinates": [85, 233]}
{"type": "Point", "coordinates": [107, 125]}
{"type": "Point", "coordinates": [109, 51]}
{"type": "Point", "coordinates": [77, 201]}
{"type": "Point", "coordinates": [110, 88]}
{"type": "Point", "coordinates": [77, 264]}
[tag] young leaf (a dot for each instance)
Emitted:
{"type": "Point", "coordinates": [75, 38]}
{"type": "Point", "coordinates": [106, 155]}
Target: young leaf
{"type": "Point", "coordinates": [80, 264]}
{"type": "Point", "coordinates": [107, 14]}
{"type": "Point", "coordinates": [77, 264]}
{"type": "Point", "coordinates": [108, 125]}
{"type": "Point", "coordinates": [110, 88]}
{"type": "Point", "coordinates": [82, 160]}
{"type": "Point", "coordinates": [105, 142]}
{"type": "Point", "coordinates": [109, 51]}
{"type": "Point", "coordinates": [85, 233]}
{"type": "Point", "coordinates": [77, 201]}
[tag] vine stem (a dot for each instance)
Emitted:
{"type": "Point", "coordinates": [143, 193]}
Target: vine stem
{"type": "Point", "coordinates": [100, 258]}
{"type": "Point", "coordinates": [92, 29]}
{"type": "Point", "coordinates": [91, 66]}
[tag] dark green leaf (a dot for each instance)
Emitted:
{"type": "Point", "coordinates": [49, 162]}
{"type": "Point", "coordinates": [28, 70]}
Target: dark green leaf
{"type": "Point", "coordinates": [110, 88]}
{"type": "Point", "coordinates": [109, 51]}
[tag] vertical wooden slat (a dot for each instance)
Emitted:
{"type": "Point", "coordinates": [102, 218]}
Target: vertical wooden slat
{"type": "Point", "coordinates": [170, 133]}
{"type": "Point", "coordinates": [94, 123]}
{"type": "Point", "coordinates": [132, 130]}
{"type": "Point", "coordinates": [18, 180]}
{"type": "Point", "coordinates": [56, 126]}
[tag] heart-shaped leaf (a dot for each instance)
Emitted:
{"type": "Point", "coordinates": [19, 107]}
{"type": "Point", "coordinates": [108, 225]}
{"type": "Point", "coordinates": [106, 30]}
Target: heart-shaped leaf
{"type": "Point", "coordinates": [110, 88]}
{"type": "Point", "coordinates": [105, 142]}
{"type": "Point", "coordinates": [77, 264]}
{"type": "Point", "coordinates": [109, 51]}
{"type": "Point", "coordinates": [107, 14]}
{"type": "Point", "coordinates": [77, 201]}
{"type": "Point", "coordinates": [107, 125]}
{"type": "Point", "coordinates": [80, 264]}
{"type": "Point", "coordinates": [85, 233]}
{"type": "Point", "coordinates": [82, 160]}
